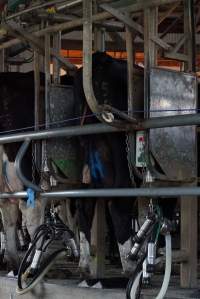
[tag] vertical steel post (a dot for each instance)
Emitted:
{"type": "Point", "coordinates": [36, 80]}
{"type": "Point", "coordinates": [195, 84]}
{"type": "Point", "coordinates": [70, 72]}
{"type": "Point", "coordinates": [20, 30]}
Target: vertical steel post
{"type": "Point", "coordinates": [47, 64]}
{"type": "Point", "coordinates": [99, 222]}
{"type": "Point", "coordinates": [56, 66]}
{"type": "Point", "coordinates": [37, 108]}
{"type": "Point", "coordinates": [189, 205]}
{"type": "Point", "coordinates": [130, 62]}
{"type": "Point", "coordinates": [150, 57]}
{"type": "Point", "coordinates": [150, 60]}
{"type": "Point", "coordinates": [2, 60]}
{"type": "Point", "coordinates": [47, 77]}
{"type": "Point", "coordinates": [2, 69]}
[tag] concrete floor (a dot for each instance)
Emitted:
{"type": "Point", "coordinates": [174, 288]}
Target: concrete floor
{"type": "Point", "coordinates": [67, 289]}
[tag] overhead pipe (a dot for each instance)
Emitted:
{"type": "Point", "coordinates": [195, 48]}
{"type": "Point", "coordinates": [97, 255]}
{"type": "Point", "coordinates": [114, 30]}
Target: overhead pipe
{"type": "Point", "coordinates": [164, 192]}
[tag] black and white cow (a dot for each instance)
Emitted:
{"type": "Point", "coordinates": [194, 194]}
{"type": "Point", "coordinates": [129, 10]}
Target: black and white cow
{"type": "Point", "coordinates": [17, 115]}
{"type": "Point", "coordinates": [105, 158]}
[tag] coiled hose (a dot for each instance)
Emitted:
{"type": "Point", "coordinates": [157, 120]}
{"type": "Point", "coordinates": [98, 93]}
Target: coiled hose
{"type": "Point", "coordinates": [168, 267]}
{"type": "Point", "coordinates": [41, 273]}
{"type": "Point", "coordinates": [133, 288]}
{"type": "Point", "coordinates": [44, 235]}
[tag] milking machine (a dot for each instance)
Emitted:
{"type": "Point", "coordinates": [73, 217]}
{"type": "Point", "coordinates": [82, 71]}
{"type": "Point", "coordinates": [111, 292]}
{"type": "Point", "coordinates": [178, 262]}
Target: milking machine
{"type": "Point", "coordinates": [2, 244]}
{"type": "Point", "coordinates": [144, 253]}
{"type": "Point", "coordinates": [39, 257]}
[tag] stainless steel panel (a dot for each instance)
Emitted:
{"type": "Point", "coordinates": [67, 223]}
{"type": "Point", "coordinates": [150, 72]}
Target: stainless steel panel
{"type": "Point", "coordinates": [173, 93]}
{"type": "Point", "coordinates": [63, 151]}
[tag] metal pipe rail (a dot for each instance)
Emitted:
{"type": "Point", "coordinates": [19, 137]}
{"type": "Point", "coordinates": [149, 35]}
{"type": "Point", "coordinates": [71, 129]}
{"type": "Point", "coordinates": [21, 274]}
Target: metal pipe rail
{"type": "Point", "coordinates": [18, 164]}
{"type": "Point", "coordinates": [152, 123]}
{"type": "Point", "coordinates": [122, 192]}
{"type": "Point", "coordinates": [103, 114]}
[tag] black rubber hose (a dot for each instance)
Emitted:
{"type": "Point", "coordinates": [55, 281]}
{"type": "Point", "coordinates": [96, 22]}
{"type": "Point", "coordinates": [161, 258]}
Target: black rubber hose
{"type": "Point", "coordinates": [45, 266]}
{"type": "Point", "coordinates": [24, 263]}
{"type": "Point", "coordinates": [131, 280]}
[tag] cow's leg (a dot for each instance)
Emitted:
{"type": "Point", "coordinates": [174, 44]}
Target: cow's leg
{"type": "Point", "coordinates": [9, 218]}
{"type": "Point", "coordinates": [10, 212]}
{"type": "Point", "coordinates": [68, 214]}
{"type": "Point", "coordinates": [120, 210]}
{"type": "Point", "coordinates": [85, 210]}
{"type": "Point", "coordinates": [33, 217]}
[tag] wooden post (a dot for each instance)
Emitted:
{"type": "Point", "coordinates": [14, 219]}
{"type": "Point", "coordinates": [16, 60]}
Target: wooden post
{"type": "Point", "coordinates": [98, 240]}
{"type": "Point", "coordinates": [189, 205]}
{"type": "Point", "coordinates": [56, 65]}
{"type": "Point", "coordinates": [189, 221]}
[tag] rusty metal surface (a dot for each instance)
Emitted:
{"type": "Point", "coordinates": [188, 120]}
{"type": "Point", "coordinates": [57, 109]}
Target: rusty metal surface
{"type": "Point", "coordinates": [173, 93]}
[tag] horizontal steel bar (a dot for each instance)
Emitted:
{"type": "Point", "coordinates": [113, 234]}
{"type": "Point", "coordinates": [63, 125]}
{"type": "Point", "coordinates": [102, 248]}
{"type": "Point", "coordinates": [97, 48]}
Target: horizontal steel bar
{"type": "Point", "coordinates": [61, 132]}
{"type": "Point", "coordinates": [122, 192]}
{"type": "Point", "coordinates": [126, 192]}
{"type": "Point", "coordinates": [152, 123]}
{"type": "Point", "coordinates": [171, 121]}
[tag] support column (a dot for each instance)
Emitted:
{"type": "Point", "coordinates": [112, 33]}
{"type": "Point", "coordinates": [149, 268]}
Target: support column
{"type": "Point", "coordinates": [2, 61]}
{"type": "Point", "coordinates": [98, 240]}
{"type": "Point", "coordinates": [56, 65]}
{"type": "Point", "coordinates": [150, 60]}
{"type": "Point", "coordinates": [2, 69]}
{"type": "Point", "coordinates": [99, 223]}
{"type": "Point", "coordinates": [189, 205]}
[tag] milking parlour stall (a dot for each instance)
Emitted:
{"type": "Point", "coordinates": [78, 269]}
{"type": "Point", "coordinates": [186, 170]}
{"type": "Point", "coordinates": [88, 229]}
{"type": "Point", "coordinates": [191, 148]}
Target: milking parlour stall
{"type": "Point", "coordinates": [99, 149]}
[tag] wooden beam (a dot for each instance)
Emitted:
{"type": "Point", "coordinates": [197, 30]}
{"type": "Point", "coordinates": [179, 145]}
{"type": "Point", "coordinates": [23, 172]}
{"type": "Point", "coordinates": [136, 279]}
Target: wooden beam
{"type": "Point", "coordinates": [176, 56]}
{"type": "Point", "coordinates": [173, 54]}
{"type": "Point", "coordinates": [161, 43]}
{"type": "Point", "coordinates": [71, 25]}
{"type": "Point", "coordinates": [38, 45]}
{"type": "Point", "coordinates": [167, 13]}
{"type": "Point", "coordinates": [123, 18]}
{"type": "Point", "coordinates": [179, 44]}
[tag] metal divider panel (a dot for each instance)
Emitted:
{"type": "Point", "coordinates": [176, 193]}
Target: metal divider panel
{"type": "Point", "coordinates": [63, 151]}
{"type": "Point", "coordinates": [173, 93]}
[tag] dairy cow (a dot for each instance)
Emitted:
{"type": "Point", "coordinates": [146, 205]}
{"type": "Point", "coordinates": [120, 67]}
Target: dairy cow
{"type": "Point", "coordinates": [17, 115]}
{"type": "Point", "coordinates": [105, 158]}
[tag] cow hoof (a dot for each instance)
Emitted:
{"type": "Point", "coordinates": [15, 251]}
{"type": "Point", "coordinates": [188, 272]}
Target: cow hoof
{"type": "Point", "coordinates": [12, 274]}
{"type": "Point", "coordinates": [83, 284]}
{"type": "Point", "coordinates": [90, 283]}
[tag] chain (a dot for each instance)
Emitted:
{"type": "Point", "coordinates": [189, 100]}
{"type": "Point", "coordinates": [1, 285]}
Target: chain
{"type": "Point", "coordinates": [129, 159]}
{"type": "Point", "coordinates": [33, 163]}
{"type": "Point", "coordinates": [45, 178]}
